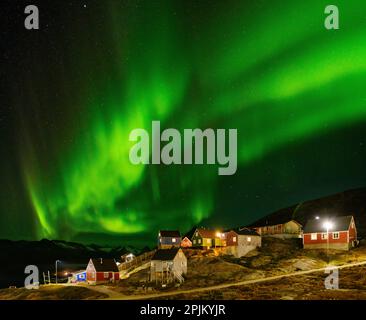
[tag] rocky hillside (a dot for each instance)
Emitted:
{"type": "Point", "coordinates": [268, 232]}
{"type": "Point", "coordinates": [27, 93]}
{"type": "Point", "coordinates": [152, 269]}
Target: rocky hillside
{"type": "Point", "coordinates": [350, 202]}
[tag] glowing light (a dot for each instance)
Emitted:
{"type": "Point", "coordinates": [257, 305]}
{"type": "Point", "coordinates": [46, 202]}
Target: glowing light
{"type": "Point", "coordinates": [328, 225]}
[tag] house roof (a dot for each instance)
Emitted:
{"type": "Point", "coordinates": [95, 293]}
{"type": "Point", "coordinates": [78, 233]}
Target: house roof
{"type": "Point", "coordinates": [165, 254]}
{"type": "Point", "coordinates": [339, 224]}
{"type": "Point", "coordinates": [190, 233]}
{"type": "Point", "coordinates": [279, 217]}
{"type": "Point", "coordinates": [104, 265]}
{"type": "Point", "coordinates": [170, 233]}
{"type": "Point", "coordinates": [246, 232]}
{"type": "Point", "coordinates": [204, 233]}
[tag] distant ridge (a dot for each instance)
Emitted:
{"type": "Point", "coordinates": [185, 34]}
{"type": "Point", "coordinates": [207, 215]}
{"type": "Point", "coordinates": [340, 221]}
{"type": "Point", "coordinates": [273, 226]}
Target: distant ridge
{"type": "Point", "coordinates": [350, 202]}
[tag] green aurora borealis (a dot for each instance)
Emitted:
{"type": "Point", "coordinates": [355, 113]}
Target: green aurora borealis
{"type": "Point", "coordinates": [94, 73]}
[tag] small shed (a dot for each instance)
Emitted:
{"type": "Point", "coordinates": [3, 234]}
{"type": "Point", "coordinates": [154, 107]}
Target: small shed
{"type": "Point", "coordinates": [101, 271]}
{"type": "Point", "coordinates": [168, 265]}
{"type": "Point", "coordinates": [78, 276]}
{"type": "Point", "coordinates": [186, 243]}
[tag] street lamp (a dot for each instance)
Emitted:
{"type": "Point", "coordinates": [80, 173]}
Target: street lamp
{"type": "Point", "coordinates": [328, 225]}
{"type": "Point", "coordinates": [57, 261]}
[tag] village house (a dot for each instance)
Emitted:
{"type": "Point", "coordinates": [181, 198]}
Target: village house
{"type": "Point", "coordinates": [168, 265]}
{"type": "Point", "coordinates": [240, 241]}
{"type": "Point", "coordinates": [101, 271]}
{"type": "Point", "coordinates": [186, 242]}
{"type": "Point", "coordinates": [278, 228]}
{"type": "Point", "coordinates": [78, 276]}
{"type": "Point", "coordinates": [333, 233]}
{"type": "Point", "coordinates": [207, 239]}
{"type": "Point", "coordinates": [168, 239]}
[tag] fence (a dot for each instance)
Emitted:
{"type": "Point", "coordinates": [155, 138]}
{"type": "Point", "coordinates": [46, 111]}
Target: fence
{"type": "Point", "coordinates": [136, 262]}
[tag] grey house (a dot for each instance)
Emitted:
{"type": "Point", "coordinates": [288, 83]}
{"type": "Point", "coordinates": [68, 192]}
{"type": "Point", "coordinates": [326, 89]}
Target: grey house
{"type": "Point", "coordinates": [168, 239]}
{"type": "Point", "coordinates": [168, 265]}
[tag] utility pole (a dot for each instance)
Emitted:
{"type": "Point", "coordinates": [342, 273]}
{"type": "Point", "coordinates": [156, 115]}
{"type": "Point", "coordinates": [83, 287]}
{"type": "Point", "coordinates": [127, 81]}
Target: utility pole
{"type": "Point", "coordinates": [56, 268]}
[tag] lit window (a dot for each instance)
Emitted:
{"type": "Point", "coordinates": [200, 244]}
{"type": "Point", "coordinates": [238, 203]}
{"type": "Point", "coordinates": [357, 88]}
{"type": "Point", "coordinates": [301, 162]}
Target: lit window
{"type": "Point", "coordinates": [194, 241]}
{"type": "Point", "coordinates": [314, 236]}
{"type": "Point", "coordinates": [208, 241]}
{"type": "Point", "coordinates": [249, 239]}
{"type": "Point", "coordinates": [199, 240]}
{"type": "Point", "coordinates": [106, 274]}
{"type": "Point", "coordinates": [324, 236]}
{"type": "Point", "coordinates": [234, 239]}
{"type": "Point", "coordinates": [335, 235]}
{"type": "Point", "coordinates": [174, 240]}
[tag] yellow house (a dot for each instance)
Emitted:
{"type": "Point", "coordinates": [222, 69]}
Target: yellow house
{"type": "Point", "coordinates": [207, 238]}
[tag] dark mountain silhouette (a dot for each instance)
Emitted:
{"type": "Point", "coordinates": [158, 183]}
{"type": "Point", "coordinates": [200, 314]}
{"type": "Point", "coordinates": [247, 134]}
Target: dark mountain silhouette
{"type": "Point", "coordinates": [16, 255]}
{"type": "Point", "coordinates": [350, 202]}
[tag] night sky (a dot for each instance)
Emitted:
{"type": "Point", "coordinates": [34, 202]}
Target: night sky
{"type": "Point", "coordinates": [73, 90]}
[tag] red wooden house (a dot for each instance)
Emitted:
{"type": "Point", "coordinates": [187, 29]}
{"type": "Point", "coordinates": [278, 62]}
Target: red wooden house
{"type": "Point", "coordinates": [333, 233]}
{"type": "Point", "coordinates": [186, 243]}
{"type": "Point", "coordinates": [101, 271]}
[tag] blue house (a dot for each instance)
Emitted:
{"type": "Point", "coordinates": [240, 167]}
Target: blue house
{"type": "Point", "coordinates": [169, 239]}
{"type": "Point", "coordinates": [79, 276]}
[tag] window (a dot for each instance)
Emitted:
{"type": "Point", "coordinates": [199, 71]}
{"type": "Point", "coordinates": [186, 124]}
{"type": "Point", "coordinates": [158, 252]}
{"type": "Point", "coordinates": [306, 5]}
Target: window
{"type": "Point", "coordinates": [324, 236]}
{"type": "Point", "coordinates": [106, 274]}
{"type": "Point", "coordinates": [209, 242]}
{"type": "Point", "coordinates": [194, 241]}
{"type": "Point", "coordinates": [335, 235]}
{"type": "Point", "coordinates": [314, 236]}
{"type": "Point", "coordinates": [249, 239]}
{"type": "Point", "coordinates": [199, 241]}
{"type": "Point", "coordinates": [234, 239]}
{"type": "Point", "coordinates": [174, 240]}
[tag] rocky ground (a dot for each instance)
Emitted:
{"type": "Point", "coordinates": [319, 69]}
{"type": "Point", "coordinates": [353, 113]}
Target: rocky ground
{"type": "Point", "coordinates": [210, 268]}
{"type": "Point", "coordinates": [51, 292]}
